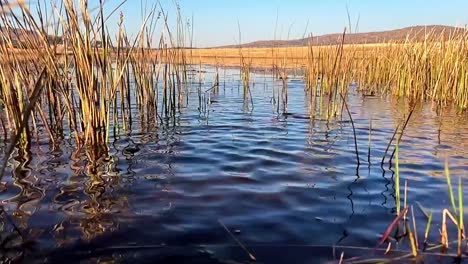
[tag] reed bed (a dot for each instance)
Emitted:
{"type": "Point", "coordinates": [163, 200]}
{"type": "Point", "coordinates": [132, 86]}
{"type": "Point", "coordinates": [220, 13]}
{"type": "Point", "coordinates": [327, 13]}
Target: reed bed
{"type": "Point", "coordinates": [431, 70]}
{"type": "Point", "coordinates": [403, 228]}
{"type": "Point", "coordinates": [434, 70]}
{"type": "Point", "coordinates": [65, 71]}
{"type": "Point", "coordinates": [70, 78]}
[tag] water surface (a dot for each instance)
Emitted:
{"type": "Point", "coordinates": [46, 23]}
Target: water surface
{"type": "Point", "coordinates": [286, 186]}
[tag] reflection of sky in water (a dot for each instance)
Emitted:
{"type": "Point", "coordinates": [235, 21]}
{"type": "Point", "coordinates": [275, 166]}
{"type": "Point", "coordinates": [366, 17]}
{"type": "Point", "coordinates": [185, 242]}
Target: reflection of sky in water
{"type": "Point", "coordinates": [278, 179]}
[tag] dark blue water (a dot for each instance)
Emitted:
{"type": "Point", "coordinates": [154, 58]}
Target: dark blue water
{"type": "Point", "coordinates": [286, 186]}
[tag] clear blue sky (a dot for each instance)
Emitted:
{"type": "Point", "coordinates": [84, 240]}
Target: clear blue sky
{"type": "Point", "coordinates": [216, 21]}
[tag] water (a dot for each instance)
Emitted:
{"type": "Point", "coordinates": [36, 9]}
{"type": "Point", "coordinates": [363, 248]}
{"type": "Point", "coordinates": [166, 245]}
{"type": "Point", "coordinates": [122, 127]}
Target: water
{"type": "Point", "coordinates": [285, 186]}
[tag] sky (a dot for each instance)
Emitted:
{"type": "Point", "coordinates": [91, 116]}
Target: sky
{"type": "Point", "coordinates": [217, 22]}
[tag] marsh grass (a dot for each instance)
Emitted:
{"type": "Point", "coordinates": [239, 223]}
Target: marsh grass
{"type": "Point", "coordinates": [419, 251]}
{"type": "Point", "coordinates": [69, 75]}
{"type": "Point", "coordinates": [433, 70]}
{"type": "Point", "coordinates": [89, 74]}
{"type": "Point", "coordinates": [328, 75]}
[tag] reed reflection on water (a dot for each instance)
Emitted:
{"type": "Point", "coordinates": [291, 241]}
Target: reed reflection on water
{"type": "Point", "coordinates": [277, 178]}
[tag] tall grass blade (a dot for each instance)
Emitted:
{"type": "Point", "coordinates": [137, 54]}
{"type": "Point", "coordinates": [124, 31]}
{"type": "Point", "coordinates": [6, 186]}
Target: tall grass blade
{"type": "Point", "coordinates": [397, 178]}
{"type": "Point", "coordinates": [461, 226]}
{"type": "Point", "coordinates": [428, 227]}
{"type": "Point", "coordinates": [449, 185]}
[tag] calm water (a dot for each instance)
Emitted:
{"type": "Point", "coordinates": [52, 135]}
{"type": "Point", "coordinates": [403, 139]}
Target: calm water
{"type": "Point", "coordinates": [287, 187]}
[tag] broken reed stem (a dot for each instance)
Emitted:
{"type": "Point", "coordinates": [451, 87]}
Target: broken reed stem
{"type": "Point", "coordinates": [252, 257]}
{"type": "Point", "coordinates": [443, 233]}
{"type": "Point", "coordinates": [414, 228]}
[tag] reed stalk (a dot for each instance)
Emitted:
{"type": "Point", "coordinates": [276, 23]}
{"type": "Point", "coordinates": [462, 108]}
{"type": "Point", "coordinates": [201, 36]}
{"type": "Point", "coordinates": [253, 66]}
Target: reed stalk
{"type": "Point", "coordinates": [90, 74]}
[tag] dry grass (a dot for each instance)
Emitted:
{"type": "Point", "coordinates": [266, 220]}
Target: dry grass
{"type": "Point", "coordinates": [293, 57]}
{"type": "Point", "coordinates": [434, 69]}
{"type": "Point", "coordinates": [84, 88]}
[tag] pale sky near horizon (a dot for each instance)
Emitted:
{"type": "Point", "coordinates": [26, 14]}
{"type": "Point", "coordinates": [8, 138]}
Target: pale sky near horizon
{"type": "Point", "coordinates": [216, 21]}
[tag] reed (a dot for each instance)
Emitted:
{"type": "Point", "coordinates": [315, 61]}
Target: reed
{"type": "Point", "coordinates": [86, 89]}
{"type": "Point", "coordinates": [450, 188]}
{"type": "Point", "coordinates": [397, 178]}
{"type": "Point", "coordinates": [461, 225]}
{"type": "Point", "coordinates": [245, 76]}
{"type": "Point", "coordinates": [328, 75]}
{"type": "Point", "coordinates": [434, 69]}
{"type": "Point", "coordinates": [456, 217]}
{"type": "Point", "coordinates": [428, 228]}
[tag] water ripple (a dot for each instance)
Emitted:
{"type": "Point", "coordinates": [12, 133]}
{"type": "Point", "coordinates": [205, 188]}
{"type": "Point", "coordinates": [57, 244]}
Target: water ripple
{"type": "Point", "coordinates": [272, 179]}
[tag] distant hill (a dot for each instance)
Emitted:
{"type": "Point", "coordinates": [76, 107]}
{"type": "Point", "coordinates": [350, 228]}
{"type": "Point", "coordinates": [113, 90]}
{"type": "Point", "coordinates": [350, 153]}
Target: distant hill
{"type": "Point", "coordinates": [397, 35]}
{"type": "Point", "coordinates": [17, 36]}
